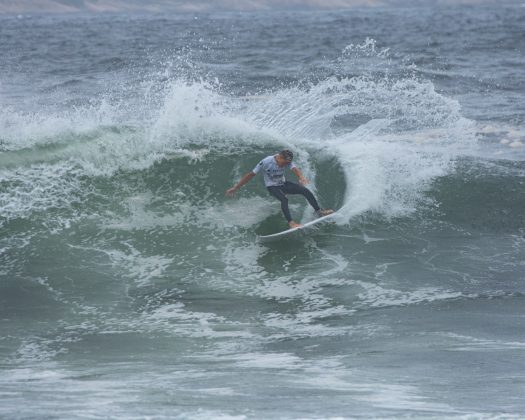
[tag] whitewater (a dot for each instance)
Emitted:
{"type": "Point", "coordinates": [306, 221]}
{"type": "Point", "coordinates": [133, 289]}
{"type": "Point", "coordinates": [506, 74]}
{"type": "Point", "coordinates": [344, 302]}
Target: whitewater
{"type": "Point", "coordinates": [131, 287]}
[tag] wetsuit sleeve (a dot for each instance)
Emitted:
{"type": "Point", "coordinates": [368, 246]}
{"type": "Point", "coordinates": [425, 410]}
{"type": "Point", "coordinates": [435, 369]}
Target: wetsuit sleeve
{"type": "Point", "coordinates": [258, 167]}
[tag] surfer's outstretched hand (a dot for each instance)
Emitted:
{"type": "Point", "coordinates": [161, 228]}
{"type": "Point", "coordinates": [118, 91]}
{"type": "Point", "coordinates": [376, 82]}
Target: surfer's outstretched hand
{"type": "Point", "coordinates": [231, 192]}
{"type": "Point", "coordinates": [303, 181]}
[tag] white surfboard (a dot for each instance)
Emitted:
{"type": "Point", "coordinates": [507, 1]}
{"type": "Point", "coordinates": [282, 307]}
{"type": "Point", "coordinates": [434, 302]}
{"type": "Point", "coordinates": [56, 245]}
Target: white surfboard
{"type": "Point", "coordinates": [303, 230]}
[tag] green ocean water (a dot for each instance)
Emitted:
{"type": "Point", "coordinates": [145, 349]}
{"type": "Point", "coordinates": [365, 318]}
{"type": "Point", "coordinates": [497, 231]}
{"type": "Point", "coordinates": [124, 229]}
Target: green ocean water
{"type": "Point", "coordinates": [131, 287]}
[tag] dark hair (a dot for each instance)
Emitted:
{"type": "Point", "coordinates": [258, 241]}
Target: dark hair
{"type": "Point", "coordinates": [287, 155]}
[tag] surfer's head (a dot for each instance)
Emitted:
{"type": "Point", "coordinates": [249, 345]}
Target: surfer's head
{"type": "Point", "coordinates": [287, 155]}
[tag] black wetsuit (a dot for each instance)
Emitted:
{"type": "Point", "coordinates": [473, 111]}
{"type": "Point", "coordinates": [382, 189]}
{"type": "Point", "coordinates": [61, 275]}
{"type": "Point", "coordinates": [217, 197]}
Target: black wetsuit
{"type": "Point", "coordinates": [288, 187]}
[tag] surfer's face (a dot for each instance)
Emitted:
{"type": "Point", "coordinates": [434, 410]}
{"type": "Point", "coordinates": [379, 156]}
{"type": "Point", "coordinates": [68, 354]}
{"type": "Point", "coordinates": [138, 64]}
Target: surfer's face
{"type": "Point", "coordinates": [281, 161]}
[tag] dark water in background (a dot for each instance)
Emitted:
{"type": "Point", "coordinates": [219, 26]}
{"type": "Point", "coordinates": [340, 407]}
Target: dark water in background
{"type": "Point", "coordinates": [131, 287]}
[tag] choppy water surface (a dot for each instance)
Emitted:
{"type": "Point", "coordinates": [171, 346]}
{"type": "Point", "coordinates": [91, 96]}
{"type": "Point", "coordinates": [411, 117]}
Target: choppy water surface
{"type": "Point", "coordinates": [131, 287]}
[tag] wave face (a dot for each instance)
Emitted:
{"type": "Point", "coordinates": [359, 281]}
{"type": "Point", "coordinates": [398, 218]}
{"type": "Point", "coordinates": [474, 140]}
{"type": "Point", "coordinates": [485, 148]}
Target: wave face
{"type": "Point", "coordinates": [132, 282]}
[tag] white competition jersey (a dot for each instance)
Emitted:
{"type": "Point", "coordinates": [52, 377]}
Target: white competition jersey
{"type": "Point", "coordinates": [273, 173]}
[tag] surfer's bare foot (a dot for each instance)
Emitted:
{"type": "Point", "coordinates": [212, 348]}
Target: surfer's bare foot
{"type": "Point", "coordinates": [324, 212]}
{"type": "Point", "coordinates": [292, 224]}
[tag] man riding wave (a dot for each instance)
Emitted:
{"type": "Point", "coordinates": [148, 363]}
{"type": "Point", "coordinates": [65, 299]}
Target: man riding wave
{"type": "Point", "coordinates": [273, 168]}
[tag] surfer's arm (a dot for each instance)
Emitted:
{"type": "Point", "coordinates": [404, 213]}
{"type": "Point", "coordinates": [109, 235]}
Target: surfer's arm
{"type": "Point", "coordinates": [245, 179]}
{"type": "Point", "coordinates": [302, 179]}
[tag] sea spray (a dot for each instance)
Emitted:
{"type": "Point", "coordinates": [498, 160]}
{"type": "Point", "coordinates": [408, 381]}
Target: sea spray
{"type": "Point", "coordinates": [132, 287]}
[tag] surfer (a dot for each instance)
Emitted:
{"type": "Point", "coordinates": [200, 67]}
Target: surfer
{"type": "Point", "coordinates": [273, 170]}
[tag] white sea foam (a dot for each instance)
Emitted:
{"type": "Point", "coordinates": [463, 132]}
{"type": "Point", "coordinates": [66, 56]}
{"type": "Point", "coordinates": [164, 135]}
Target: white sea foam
{"type": "Point", "coordinates": [470, 343]}
{"type": "Point", "coordinates": [131, 263]}
{"type": "Point", "coordinates": [388, 161]}
{"type": "Point", "coordinates": [377, 296]}
{"type": "Point", "coordinates": [56, 391]}
{"type": "Point", "coordinates": [269, 361]}
{"type": "Point", "coordinates": [233, 214]}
